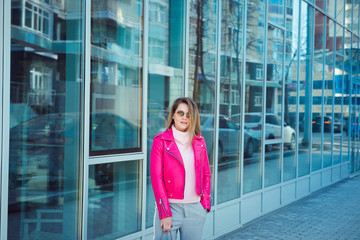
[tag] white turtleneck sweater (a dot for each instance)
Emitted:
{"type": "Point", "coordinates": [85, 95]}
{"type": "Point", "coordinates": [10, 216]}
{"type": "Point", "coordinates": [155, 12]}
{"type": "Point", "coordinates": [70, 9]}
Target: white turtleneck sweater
{"type": "Point", "coordinates": [184, 145]}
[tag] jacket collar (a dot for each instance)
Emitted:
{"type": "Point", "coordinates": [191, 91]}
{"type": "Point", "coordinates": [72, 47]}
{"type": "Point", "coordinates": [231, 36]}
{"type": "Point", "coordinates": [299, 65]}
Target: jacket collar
{"type": "Point", "coordinates": [168, 135]}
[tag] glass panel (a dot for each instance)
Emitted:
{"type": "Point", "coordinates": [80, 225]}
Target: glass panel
{"type": "Point", "coordinates": [276, 11]}
{"type": "Point", "coordinates": [339, 39]}
{"type": "Point", "coordinates": [317, 102]}
{"type": "Point", "coordinates": [337, 149]}
{"type": "Point", "coordinates": [45, 120]}
{"type": "Point", "coordinates": [306, 51]}
{"type": "Point", "coordinates": [328, 93]}
{"type": "Point", "coordinates": [340, 11]}
{"type": "Point", "coordinates": [330, 7]}
{"type": "Point", "coordinates": [28, 17]}
{"type": "Point", "coordinates": [274, 123]}
{"type": "Point", "coordinates": [339, 78]}
{"type": "Point", "coordinates": [230, 105]}
{"type": "Point", "coordinates": [202, 64]}
{"type": "Point", "coordinates": [116, 65]}
{"type": "Point", "coordinates": [348, 126]}
{"type": "Point", "coordinates": [320, 3]}
{"type": "Point", "coordinates": [166, 73]}
{"type": "Point", "coordinates": [255, 54]}
{"type": "Point", "coordinates": [114, 206]}
{"type": "Point", "coordinates": [342, 109]}
{"type": "Point", "coordinates": [354, 152]}
{"type": "Point", "coordinates": [348, 11]}
{"type": "Point", "coordinates": [273, 165]}
{"type": "Point", "coordinates": [291, 98]}
{"type": "Point", "coordinates": [355, 17]}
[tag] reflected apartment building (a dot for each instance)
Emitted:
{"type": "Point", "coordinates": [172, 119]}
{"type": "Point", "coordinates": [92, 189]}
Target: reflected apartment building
{"type": "Point", "coordinates": [87, 85]}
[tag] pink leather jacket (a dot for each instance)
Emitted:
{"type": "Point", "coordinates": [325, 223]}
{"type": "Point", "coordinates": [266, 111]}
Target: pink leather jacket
{"type": "Point", "coordinates": [168, 172]}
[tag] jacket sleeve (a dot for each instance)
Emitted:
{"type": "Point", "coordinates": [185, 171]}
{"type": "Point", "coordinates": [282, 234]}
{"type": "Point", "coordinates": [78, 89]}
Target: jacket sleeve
{"type": "Point", "coordinates": [157, 178]}
{"type": "Point", "coordinates": [205, 197]}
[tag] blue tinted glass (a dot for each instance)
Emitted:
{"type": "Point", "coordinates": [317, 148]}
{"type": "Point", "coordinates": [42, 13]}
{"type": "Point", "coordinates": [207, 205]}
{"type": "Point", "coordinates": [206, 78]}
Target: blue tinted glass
{"type": "Point", "coordinates": [272, 164]}
{"type": "Point", "coordinates": [45, 121]}
{"type": "Point", "coordinates": [276, 11]}
{"type": "Point", "coordinates": [116, 63]}
{"type": "Point", "coordinates": [306, 51]}
{"type": "Point", "coordinates": [202, 65]}
{"type": "Point", "coordinates": [229, 158]}
{"type": "Point", "coordinates": [114, 206]}
{"type": "Point", "coordinates": [254, 74]}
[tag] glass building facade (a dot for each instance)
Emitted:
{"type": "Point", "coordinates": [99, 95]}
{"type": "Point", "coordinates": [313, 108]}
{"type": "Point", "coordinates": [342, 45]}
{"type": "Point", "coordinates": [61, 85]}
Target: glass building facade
{"type": "Point", "coordinates": [86, 85]}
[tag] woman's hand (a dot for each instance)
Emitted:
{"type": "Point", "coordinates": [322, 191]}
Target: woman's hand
{"type": "Point", "coordinates": [166, 224]}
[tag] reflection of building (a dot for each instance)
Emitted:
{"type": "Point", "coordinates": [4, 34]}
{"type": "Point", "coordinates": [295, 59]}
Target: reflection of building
{"type": "Point", "coordinates": [116, 56]}
{"type": "Point", "coordinates": [90, 84]}
{"type": "Point", "coordinates": [202, 52]}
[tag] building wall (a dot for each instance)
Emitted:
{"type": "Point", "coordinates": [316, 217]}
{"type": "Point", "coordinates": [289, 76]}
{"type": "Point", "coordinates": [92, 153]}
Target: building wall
{"type": "Point", "coordinates": [86, 85]}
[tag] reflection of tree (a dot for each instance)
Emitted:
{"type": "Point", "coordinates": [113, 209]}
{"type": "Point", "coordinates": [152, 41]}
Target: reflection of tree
{"type": "Point", "coordinates": [233, 18]}
{"type": "Point", "coordinates": [200, 5]}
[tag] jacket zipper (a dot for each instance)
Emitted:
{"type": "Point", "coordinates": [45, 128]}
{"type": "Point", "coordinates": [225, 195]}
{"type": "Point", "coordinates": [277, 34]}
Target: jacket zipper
{"type": "Point", "coordinates": [184, 169]}
{"type": "Point", "coordinates": [175, 157]}
{"type": "Point", "coordinates": [162, 205]}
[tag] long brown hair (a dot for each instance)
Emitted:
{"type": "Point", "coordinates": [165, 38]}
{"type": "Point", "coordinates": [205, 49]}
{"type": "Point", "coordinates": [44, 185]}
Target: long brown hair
{"type": "Point", "coordinates": [194, 126]}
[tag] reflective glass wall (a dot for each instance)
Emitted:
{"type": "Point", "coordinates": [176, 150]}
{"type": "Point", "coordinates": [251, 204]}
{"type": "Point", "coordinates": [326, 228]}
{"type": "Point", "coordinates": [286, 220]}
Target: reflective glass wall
{"type": "Point", "coordinates": [277, 84]}
{"type": "Point", "coordinates": [46, 119]}
{"type": "Point", "coordinates": [254, 82]}
{"type": "Point", "coordinates": [202, 59]}
{"type": "Point", "coordinates": [114, 188]}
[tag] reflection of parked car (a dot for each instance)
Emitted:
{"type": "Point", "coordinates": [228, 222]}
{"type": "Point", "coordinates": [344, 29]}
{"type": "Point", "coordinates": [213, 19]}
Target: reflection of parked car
{"type": "Point", "coordinates": [112, 132]}
{"type": "Point", "coordinates": [273, 130]}
{"type": "Point", "coordinates": [229, 136]}
{"type": "Point", "coordinates": [253, 124]}
{"type": "Point", "coordinates": [42, 147]}
{"type": "Point", "coordinates": [316, 124]}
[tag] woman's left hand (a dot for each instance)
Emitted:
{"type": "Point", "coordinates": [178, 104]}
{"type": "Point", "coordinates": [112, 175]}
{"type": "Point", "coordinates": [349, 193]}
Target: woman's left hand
{"type": "Point", "coordinates": [166, 224]}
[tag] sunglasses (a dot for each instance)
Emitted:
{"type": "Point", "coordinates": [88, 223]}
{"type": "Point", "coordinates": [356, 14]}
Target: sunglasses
{"type": "Point", "coordinates": [181, 114]}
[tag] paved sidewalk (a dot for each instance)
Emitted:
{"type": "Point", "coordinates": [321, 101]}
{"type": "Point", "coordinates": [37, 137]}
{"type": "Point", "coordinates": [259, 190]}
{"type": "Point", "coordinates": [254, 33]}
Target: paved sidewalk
{"type": "Point", "coordinates": [332, 213]}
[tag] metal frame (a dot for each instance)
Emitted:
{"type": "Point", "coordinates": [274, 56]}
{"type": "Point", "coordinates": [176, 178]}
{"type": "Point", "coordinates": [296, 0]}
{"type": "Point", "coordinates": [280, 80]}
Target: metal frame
{"type": "Point", "coordinates": [263, 143]}
{"type": "Point", "coordinates": [86, 117]}
{"type": "Point", "coordinates": [5, 117]}
{"type": "Point", "coordinates": [242, 97]}
{"type": "Point", "coordinates": [217, 100]}
{"type": "Point", "coordinates": [322, 91]}
{"type": "Point", "coordinates": [187, 47]}
{"type": "Point", "coordinates": [298, 97]}
{"type": "Point", "coordinates": [144, 112]}
{"type": "Point", "coordinates": [1, 97]}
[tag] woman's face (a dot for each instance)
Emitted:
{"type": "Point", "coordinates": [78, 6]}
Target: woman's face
{"type": "Point", "coordinates": [182, 117]}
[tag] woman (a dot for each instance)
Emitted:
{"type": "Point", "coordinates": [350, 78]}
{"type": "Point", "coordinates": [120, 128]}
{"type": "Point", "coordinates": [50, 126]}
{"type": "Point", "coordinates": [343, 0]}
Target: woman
{"type": "Point", "coordinates": [180, 175]}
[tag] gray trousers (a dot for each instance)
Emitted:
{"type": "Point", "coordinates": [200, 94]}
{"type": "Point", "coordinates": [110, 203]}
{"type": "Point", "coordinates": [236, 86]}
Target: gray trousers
{"type": "Point", "coordinates": [188, 219]}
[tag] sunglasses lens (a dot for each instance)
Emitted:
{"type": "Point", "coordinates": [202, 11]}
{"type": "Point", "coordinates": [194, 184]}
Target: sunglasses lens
{"type": "Point", "coordinates": [180, 113]}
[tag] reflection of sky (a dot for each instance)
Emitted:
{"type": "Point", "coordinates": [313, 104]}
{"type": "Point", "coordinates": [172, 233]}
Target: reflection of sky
{"type": "Point", "coordinates": [304, 28]}
{"type": "Point", "coordinates": [295, 24]}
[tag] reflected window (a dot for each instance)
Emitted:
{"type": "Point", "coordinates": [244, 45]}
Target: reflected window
{"type": "Point", "coordinates": [37, 18]}
{"type": "Point", "coordinates": [253, 107]}
{"type": "Point", "coordinates": [202, 64]}
{"type": "Point", "coordinates": [305, 88]}
{"type": "Point", "coordinates": [114, 205]}
{"type": "Point", "coordinates": [116, 64]}
{"type": "Point", "coordinates": [46, 104]}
